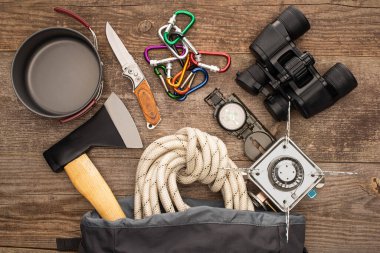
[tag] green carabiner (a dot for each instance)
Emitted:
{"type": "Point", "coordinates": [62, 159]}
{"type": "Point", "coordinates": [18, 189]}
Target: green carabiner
{"type": "Point", "coordinates": [171, 24]}
{"type": "Point", "coordinates": [157, 70]}
{"type": "Point", "coordinates": [158, 73]}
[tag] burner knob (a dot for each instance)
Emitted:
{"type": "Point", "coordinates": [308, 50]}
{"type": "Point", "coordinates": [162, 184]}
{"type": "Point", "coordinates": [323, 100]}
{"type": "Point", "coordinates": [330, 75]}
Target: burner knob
{"type": "Point", "coordinates": [286, 173]}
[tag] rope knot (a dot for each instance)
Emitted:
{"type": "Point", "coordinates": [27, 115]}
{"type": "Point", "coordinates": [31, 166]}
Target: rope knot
{"type": "Point", "coordinates": [189, 155]}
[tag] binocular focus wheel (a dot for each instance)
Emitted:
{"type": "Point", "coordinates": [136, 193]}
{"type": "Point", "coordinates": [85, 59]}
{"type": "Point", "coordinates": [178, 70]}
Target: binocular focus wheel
{"type": "Point", "coordinates": [294, 21]}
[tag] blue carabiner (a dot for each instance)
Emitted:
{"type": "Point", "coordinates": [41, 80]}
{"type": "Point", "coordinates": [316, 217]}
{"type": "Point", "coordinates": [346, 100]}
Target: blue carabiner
{"type": "Point", "coordinates": [198, 86]}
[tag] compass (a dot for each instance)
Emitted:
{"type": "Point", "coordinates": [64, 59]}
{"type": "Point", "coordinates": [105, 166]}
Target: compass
{"type": "Point", "coordinates": [235, 117]}
{"type": "Point", "coordinates": [231, 116]}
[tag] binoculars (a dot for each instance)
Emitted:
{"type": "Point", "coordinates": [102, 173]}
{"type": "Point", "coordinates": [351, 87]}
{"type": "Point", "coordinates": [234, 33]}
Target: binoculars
{"type": "Point", "coordinates": [284, 74]}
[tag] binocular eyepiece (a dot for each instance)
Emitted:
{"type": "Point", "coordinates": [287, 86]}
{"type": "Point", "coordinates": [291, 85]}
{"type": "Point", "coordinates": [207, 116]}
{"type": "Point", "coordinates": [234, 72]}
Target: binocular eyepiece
{"type": "Point", "coordinates": [283, 73]}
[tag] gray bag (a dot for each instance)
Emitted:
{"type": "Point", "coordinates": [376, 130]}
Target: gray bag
{"type": "Point", "coordinates": [205, 227]}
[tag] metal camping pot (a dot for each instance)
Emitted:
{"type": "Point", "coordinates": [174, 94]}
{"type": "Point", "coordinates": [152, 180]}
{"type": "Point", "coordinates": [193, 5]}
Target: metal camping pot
{"type": "Point", "coordinates": [57, 72]}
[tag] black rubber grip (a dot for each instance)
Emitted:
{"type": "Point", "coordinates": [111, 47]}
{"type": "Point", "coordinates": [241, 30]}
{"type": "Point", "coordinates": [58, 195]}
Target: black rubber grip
{"type": "Point", "coordinates": [98, 131]}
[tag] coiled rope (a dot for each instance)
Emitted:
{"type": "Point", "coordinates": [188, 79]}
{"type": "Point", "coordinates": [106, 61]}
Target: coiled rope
{"type": "Point", "coordinates": [189, 155]}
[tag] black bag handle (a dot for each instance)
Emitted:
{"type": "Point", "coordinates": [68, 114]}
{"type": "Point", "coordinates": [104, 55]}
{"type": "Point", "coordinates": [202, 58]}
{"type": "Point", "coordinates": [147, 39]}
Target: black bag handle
{"type": "Point", "coordinates": [68, 244]}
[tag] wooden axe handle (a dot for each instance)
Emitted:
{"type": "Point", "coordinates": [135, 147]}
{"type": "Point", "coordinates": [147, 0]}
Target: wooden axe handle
{"type": "Point", "coordinates": [90, 183]}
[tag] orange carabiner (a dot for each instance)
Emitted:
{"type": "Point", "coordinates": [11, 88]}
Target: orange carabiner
{"type": "Point", "coordinates": [172, 81]}
{"type": "Point", "coordinates": [185, 87]}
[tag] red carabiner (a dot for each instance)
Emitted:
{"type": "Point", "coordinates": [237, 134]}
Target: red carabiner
{"type": "Point", "coordinates": [212, 68]}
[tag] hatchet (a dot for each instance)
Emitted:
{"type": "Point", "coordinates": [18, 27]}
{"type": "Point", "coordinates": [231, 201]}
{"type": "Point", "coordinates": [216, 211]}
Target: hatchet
{"type": "Point", "coordinates": [111, 126]}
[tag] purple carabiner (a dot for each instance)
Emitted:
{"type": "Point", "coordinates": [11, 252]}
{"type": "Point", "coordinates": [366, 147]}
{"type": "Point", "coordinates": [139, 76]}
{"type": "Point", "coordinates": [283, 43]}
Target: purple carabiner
{"type": "Point", "coordinates": [162, 46]}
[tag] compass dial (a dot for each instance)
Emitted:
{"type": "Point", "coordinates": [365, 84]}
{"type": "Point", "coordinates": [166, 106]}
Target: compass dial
{"type": "Point", "coordinates": [231, 116]}
{"type": "Point", "coordinates": [286, 173]}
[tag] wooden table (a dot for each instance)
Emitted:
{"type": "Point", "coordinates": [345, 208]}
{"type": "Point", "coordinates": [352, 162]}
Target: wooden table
{"type": "Point", "coordinates": [37, 205]}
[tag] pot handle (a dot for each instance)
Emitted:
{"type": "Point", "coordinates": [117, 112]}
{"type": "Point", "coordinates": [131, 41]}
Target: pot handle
{"type": "Point", "coordinates": [80, 113]}
{"type": "Point", "coordinates": [79, 19]}
{"type": "Point", "coordinates": [73, 15]}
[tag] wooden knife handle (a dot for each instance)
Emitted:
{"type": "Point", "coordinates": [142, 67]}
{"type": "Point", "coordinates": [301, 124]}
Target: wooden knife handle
{"type": "Point", "coordinates": [148, 104]}
{"type": "Point", "coordinates": [90, 183]}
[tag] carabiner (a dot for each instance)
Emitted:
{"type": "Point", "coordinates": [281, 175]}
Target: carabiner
{"type": "Point", "coordinates": [185, 41]}
{"type": "Point", "coordinates": [172, 22]}
{"type": "Point", "coordinates": [188, 81]}
{"type": "Point", "coordinates": [186, 85]}
{"type": "Point", "coordinates": [178, 32]}
{"type": "Point", "coordinates": [185, 51]}
{"type": "Point", "coordinates": [173, 81]}
{"type": "Point", "coordinates": [158, 73]}
{"type": "Point", "coordinates": [185, 48]}
{"type": "Point", "coordinates": [197, 87]}
{"type": "Point", "coordinates": [196, 60]}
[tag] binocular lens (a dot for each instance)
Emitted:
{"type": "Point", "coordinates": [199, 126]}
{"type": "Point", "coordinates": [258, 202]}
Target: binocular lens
{"type": "Point", "coordinates": [294, 21]}
{"type": "Point", "coordinates": [341, 79]}
{"type": "Point", "coordinates": [277, 106]}
{"type": "Point", "coordinates": [252, 79]}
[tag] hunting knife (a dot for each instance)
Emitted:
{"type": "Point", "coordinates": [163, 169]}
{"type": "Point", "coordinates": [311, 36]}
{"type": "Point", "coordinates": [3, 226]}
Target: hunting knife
{"type": "Point", "coordinates": [133, 72]}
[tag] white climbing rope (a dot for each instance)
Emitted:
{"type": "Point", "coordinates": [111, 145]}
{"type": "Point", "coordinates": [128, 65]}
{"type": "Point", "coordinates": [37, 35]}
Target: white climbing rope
{"type": "Point", "coordinates": [189, 155]}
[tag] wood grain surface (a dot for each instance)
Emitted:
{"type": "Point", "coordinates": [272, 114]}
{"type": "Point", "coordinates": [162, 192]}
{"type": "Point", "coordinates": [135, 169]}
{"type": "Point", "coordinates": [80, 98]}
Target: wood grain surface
{"type": "Point", "coordinates": [37, 205]}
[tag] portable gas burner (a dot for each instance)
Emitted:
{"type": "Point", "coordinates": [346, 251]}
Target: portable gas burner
{"type": "Point", "coordinates": [285, 174]}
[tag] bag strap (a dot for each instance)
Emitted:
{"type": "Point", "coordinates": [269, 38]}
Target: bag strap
{"type": "Point", "coordinates": [68, 244]}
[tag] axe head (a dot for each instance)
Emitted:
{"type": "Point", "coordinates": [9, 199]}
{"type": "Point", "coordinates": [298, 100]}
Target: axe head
{"type": "Point", "coordinates": [111, 126]}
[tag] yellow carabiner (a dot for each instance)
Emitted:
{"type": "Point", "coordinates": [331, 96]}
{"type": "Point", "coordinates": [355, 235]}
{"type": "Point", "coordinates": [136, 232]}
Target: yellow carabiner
{"type": "Point", "coordinates": [172, 81]}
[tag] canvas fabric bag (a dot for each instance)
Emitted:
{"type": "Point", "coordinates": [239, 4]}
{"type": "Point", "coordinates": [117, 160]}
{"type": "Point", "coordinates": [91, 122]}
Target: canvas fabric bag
{"type": "Point", "coordinates": [206, 227]}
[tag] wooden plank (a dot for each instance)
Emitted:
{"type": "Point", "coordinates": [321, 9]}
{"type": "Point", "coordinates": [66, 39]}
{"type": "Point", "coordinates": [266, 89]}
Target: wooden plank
{"type": "Point", "coordinates": [119, 173]}
{"type": "Point", "coordinates": [36, 205]}
{"type": "Point", "coordinates": [354, 33]}
{"type": "Point", "coordinates": [199, 3]}
{"type": "Point", "coordinates": [24, 250]}
{"type": "Point", "coordinates": [348, 205]}
{"type": "Point", "coordinates": [346, 132]}
{"type": "Point", "coordinates": [40, 180]}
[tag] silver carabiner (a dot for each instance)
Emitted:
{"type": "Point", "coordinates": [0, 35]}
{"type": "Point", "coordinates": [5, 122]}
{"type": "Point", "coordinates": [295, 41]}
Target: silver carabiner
{"type": "Point", "coordinates": [185, 47]}
{"type": "Point", "coordinates": [185, 41]}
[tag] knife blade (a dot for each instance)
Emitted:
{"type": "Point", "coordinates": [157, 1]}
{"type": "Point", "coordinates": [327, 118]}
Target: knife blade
{"type": "Point", "coordinates": [123, 121]}
{"type": "Point", "coordinates": [133, 72]}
